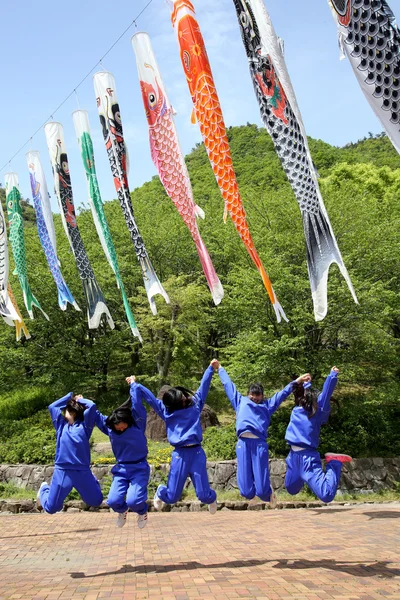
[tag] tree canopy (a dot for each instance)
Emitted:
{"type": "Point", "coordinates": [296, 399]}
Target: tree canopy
{"type": "Point", "coordinates": [360, 184]}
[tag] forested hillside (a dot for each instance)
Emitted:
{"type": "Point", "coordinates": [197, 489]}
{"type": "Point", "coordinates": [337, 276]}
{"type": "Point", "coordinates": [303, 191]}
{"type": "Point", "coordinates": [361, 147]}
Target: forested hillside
{"type": "Point", "coordinates": [361, 188]}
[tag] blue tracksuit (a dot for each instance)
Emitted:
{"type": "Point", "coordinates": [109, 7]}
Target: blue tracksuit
{"type": "Point", "coordinates": [304, 466]}
{"type": "Point", "coordinates": [132, 471]}
{"type": "Point", "coordinates": [252, 453]}
{"type": "Point", "coordinates": [185, 434]}
{"type": "Point", "coordinates": [72, 463]}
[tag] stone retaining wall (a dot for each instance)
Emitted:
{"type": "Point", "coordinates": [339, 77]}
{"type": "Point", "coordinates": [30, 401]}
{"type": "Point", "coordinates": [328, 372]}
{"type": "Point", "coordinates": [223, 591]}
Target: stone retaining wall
{"type": "Point", "coordinates": [363, 475]}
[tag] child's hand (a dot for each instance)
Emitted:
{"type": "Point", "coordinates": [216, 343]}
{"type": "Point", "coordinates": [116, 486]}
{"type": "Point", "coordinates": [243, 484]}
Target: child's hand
{"type": "Point", "coordinates": [78, 397]}
{"type": "Point", "coordinates": [215, 364]}
{"type": "Point", "coordinates": [303, 378]}
{"type": "Point", "coordinates": [335, 369]}
{"type": "Point", "coordinates": [130, 379]}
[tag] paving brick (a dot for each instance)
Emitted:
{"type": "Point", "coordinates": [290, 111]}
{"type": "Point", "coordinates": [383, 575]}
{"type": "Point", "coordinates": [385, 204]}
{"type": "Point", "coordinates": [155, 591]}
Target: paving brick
{"type": "Point", "coordinates": [330, 554]}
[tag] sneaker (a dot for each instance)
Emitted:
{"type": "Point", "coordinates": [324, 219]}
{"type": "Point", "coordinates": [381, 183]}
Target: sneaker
{"type": "Point", "coordinates": [343, 458]}
{"type": "Point", "coordinates": [273, 500]}
{"type": "Point", "coordinates": [38, 503]}
{"type": "Point", "coordinates": [213, 507]}
{"type": "Point", "coordinates": [157, 502]}
{"type": "Point", "coordinates": [122, 519]}
{"type": "Point", "coordinates": [142, 521]}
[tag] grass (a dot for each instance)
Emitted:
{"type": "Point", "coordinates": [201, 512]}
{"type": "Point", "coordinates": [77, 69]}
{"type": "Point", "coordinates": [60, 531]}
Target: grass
{"type": "Point", "coordinates": [303, 496]}
{"type": "Point", "coordinates": [10, 491]}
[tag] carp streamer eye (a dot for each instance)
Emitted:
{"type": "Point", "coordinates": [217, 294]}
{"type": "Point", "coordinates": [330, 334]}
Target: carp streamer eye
{"type": "Point", "coordinates": [152, 99]}
{"type": "Point", "coordinates": [186, 60]}
{"type": "Point", "coordinates": [64, 166]}
{"type": "Point", "coordinates": [10, 204]}
{"type": "Point", "coordinates": [118, 117]}
{"type": "Point", "coordinates": [244, 19]}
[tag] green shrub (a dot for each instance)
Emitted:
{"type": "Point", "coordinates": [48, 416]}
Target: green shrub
{"type": "Point", "coordinates": [35, 445]}
{"type": "Point", "coordinates": [220, 442]}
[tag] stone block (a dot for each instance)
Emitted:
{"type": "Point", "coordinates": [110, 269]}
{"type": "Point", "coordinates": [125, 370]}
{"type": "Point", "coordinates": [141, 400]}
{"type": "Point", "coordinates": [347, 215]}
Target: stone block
{"type": "Point", "coordinates": [277, 466]}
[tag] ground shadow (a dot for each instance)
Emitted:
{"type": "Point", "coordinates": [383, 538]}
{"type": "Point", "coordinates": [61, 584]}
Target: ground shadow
{"type": "Point", "coordinates": [329, 511]}
{"type": "Point", "coordinates": [383, 514]}
{"type": "Point", "coordinates": [357, 569]}
{"type": "Point", "coordinates": [11, 537]}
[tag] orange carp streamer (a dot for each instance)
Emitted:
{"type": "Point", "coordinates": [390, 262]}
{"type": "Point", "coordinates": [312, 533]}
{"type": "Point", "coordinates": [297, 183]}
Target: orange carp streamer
{"type": "Point", "coordinates": [20, 327]}
{"type": "Point", "coordinates": [207, 111]}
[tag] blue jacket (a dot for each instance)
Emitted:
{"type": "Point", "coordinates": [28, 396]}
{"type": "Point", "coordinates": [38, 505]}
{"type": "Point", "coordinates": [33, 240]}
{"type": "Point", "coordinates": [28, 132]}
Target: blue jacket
{"type": "Point", "coordinates": [130, 446]}
{"type": "Point", "coordinates": [72, 447]}
{"type": "Point", "coordinates": [304, 432]}
{"type": "Point", "coordinates": [183, 426]}
{"type": "Point", "coordinates": [252, 417]}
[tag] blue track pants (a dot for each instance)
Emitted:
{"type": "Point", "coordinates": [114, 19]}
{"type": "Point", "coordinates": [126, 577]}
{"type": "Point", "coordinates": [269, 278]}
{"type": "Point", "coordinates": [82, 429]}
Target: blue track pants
{"type": "Point", "coordinates": [187, 462]}
{"type": "Point", "coordinates": [52, 496]}
{"type": "Point", "coordinates": [305, 466]}
{"type": "Point", "coordinates": [129, 488]}
{"type": "Point", "coordinates": [253, 468]}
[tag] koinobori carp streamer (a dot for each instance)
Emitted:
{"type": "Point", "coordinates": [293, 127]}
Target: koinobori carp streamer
{"type": "Point", "coordinates": [111, 123]}
{"type": "Point", "coordinates": [45, 225]}
{"type": "Point", "coordinates": [17, 239]}
{"type": "Point", "coordinates": [282, 119]}
{"type": "Point", "coordinates": [167, 155]}
{"type": "Point", "coordinates": [82, 130]}
{"type": "Point", "coordinates": [207, 111]}
{"type": "Point", "coordinates": [96, 304]}
{"type": "Point", "coordinates": [370, 38]}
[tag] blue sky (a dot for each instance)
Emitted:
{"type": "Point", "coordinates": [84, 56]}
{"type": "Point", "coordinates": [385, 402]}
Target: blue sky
{"type": "Point", "coordinates": [47, 48]}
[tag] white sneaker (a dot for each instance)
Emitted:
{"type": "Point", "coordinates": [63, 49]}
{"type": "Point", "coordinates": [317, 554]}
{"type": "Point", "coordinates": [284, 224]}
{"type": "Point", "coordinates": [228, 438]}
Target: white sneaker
{"type": "Point", "coordinates": [273, 500]}
{"type": "Point", "coordinates": [122, 519]}
{"type": "Point", "coordinates": [213, 507]}
{"type": "Point", "coordinates": [142, 521]}
{"type": "Point", "coordinates": [38, 503]}
{"type": "Point", "coordinates": [157, 502]}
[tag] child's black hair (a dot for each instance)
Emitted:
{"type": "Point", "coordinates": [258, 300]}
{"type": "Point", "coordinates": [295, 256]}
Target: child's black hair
{"type": "Point", "coordinates": [256, 389]}
{"type": "Point", "coordinates": [122, 414]}
{"type": "Point", "coordinates": [307, 399]}
{"type": "Point", "coordinates": [76, 409]}
{"type": "Point", "coordinates": [177, 398]}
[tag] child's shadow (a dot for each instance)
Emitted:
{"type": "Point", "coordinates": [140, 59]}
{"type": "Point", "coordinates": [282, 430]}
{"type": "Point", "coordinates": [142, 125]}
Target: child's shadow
{"type": "Point", "coordinates": [376, 569]}
{"type": "Point", "coordinates": [373, 569]}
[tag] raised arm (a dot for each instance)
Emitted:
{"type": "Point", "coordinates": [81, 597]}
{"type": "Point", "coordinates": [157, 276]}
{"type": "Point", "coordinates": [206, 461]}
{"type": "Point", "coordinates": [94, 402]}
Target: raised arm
{"type": "Point", "coordinates": [138, 410]}
{"type": "Point", "coordinates": [56, 407]}
{"type": "Point", "coordinates": [100, 422]}
{"type": "Point", "coordinates": [277, 399]}
{"type": "Point", "coordinates": [89, 416]}
{"type": "Point", "coordinates": [139, 393]}
{"type": "Point", "coordinates": [324, 399]}
{"type": "Point", "coordinates": [230, 388]}
{"type": "Point", "coordinates": [204, 387]}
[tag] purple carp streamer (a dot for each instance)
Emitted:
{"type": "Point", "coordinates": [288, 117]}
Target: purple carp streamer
{"type": "Point", "coordinates": [370, 38]}
{"type": "Point", "coordinates": [167, 155]}
{"type": "Point", "coordinates": [96, 305]}
{"type": "Point", "coordinates": [45, 225]}
{"type": "Point", "coordinates": [110, 119]}
{"type": "Point", "coordinates": [282, 119]}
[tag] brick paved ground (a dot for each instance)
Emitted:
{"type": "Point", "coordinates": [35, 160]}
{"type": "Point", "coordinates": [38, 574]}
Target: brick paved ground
{"type": "Point", "coordinates": [310, 554]}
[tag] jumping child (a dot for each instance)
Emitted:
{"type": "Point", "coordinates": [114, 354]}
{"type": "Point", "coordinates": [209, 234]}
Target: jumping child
{"type": "Point", "coordinates": [304, 463]}
{"type": "Point", "coordinates": [126, 428]}
{"type": "Point", "coordinates": [181, 410]}
{"type": "Point", "coordinates": [72, 463]}
{"type": "Point", "coordinates": [253, 416]}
